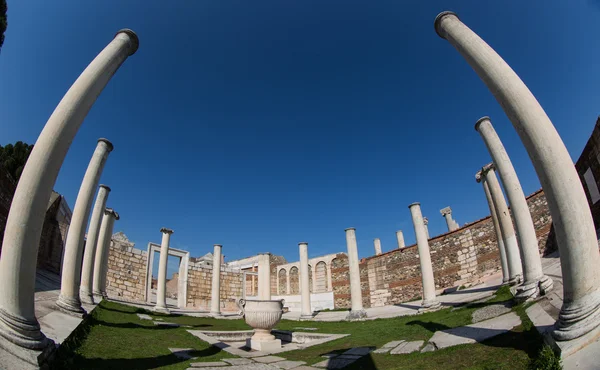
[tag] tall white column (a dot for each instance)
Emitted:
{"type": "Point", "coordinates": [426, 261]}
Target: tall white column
{"type": "Point", "coordinates": [377, 245]}
{"type": "Point", "coordinates": [24, 224]}
{"type": "Point", "coordinates": [215, 304]}
{"type": "Point", "coordinates": [497, 230]}
{"type": "Point", "coordinates": [400, 239]}
{"type": "Point", "coordinates": [68, 300]}
{"type": "Point", "coordinates": [306, 311]}
{"type": "Point", "coordinates": [87, 270]}
{"type": "Point", "coordinates": [515, 269]}
{"type": "Point", "coordinates": [430, 301]}
{"type": "Point", "coordinates": [447, 214]}
{"type": "Point", "coordinates": [264, 276]}
{"type": "Point", "coordinates": [534, 280]}
{"type": "Point", "coordinates": [253, 280]}
{"type": "Point", "coordinates": [329, 281]}
{"type": "Point", "coordinates": [573, 223]}
{"type": "Point", "coordinates": [356, 310]}
{"type": "Point", "coordinates": [426, 226]}
{"type": "Point", "coordinates": [161, 282]}
{"type": "Point", "coordinates": [103, 248]}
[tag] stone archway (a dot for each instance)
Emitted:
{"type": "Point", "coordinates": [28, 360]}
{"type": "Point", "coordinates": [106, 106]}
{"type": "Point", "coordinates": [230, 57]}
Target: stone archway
{"type": "Point", "coordinates": [282, 287]}
{"type": "Point", "coordinates": [320, 277]}
{"type": "Point", "coordinates": [294, 281]}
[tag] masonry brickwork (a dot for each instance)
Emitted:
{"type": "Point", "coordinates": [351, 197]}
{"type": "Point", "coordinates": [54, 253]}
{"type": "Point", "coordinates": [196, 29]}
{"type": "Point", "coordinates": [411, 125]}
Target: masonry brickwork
{"type": "Point", "coordinates": [460, 257]}
{"type": "Point", "coordinates": [126, 274]}
{"type": "Point", "coordinates": [199, 287]}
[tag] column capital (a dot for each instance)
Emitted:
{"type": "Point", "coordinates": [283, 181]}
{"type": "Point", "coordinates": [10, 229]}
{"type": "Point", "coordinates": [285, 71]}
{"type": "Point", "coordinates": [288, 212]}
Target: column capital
{"type": "Point", "coordinates": [303, 243]}
{"type": "Point", "coordinates": [214, 245]}
{"type": "Point", "coordinates": [480, 121]}
{"type": "Point", "coordinates": [350, 228]}
{"type": "Point", "coordinates": [110, 211]}
{"type": "Point", "coordinates": [414, 204]}
{"type": "Point", "coordinates": [134, 39]}
{"type": "Point", "coordinates": [107, 142]}
{"type": "Point", "coordinates": [446, 211]}
{"type": "Point", "coordinates": [425, 221]}
{"type": "Point", "coordinates": [106, 187]}
{"type": "Point", "coordinates": [478, 176]}
{"type": "Point", "coordinates": [438, 21]}
{"type": "Point", "coordinates": [164, 230]}
{"type": "Point", "coordinates": [488, 167]}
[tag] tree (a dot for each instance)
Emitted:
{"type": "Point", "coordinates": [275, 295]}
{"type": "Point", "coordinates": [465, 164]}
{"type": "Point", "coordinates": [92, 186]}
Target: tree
{"type": "Point", "coordinates": [3, 21]}
{"type": "Point", "coordinates": [14, 157]}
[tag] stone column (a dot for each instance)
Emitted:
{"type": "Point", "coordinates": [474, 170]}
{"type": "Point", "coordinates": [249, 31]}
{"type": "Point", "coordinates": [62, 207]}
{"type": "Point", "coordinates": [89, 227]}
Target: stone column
{"type": "Point", "coordinates": [264, 277]}
{"type": "Point", "coordinates": [497, 230]}
{"type": "Point", "coordinates": [103, 248]}
{"type": "Point", "coordinates": [18, 323]}
{"type": "Point", "coordinates": [534, 280]}
{"type": "Point", "coordinates": [161, 282]}
{"type": "Point", "coordinates": [356, 311]}
{"type": "Point", "coordinates": [287, 281]}
{"type": "Point", "coordinates": [488, 176]}
{"type": "Point", "coordinates": [215, 292]}
{"type": "Point", "coordinates": [377, 244]}
{"type": "Point", "coordinates": [87, 269]}
{"type": "Point", "coordinates": [68, 300]}
{"type": "Point", "coordinates": [425, 224]}
{"type": "Point", "coordinates": [430, 301]}
{"type": "Point", "coordinates": [277, 281]}
{"type": "Point", "coordinates": [253, 280]}
{"type": "Point", "coordinates": [447, 214]}
{"type": "Point", "coordinates": [313, 272]}
{"type": "Point", "coordinates": [400, 238]}
{"type": "Point", "coordinates": [306, 311]}
{"type": "Point", "coordinates": [329, 282]}
{"type": "Point", "coordinates": [573, 223]}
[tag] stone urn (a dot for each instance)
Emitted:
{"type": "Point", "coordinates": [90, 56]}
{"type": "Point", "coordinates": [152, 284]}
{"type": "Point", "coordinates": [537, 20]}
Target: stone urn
{"type": "Point", "coordinates": [262, 316]}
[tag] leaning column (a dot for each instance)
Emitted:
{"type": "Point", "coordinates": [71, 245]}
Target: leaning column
{"type": "Point", "coordinates": [87, 270]}
{"type": "Point", "coordinates": [161, 287]}
{"type": "Point", "coordinates": [101, 260]}
{"type": "Point", "coordinates": [215, 306]}
{"type": "Point", "coordinates": [497, 230]}
{"type": "Point", "coordinates": [534, 280]}
{"type": "Point", "coordinates": [400, 239]}
{"type": "Point", "coordinates": [377, 244]}
{"type": "Point", "coordinates": [306, 312]}
{"type": "Point", "coordinates": [24, 224]}
{"type": "Point", "coordinates": [488, 175]}
{"type": "Point", "coordinates": [573, 223]}
{"type": "Point", "coordinates": [68, 300]}
{"type": "Point", "coordinates": [264, 276]}
{"type": "Point", "coordinates": [430, 301]}
{"type": "Point", "coordinates": [356, 311]}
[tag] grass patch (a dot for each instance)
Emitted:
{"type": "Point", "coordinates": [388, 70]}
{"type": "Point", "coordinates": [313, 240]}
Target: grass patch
{"type": "Point", "coordinates": [113, 337]}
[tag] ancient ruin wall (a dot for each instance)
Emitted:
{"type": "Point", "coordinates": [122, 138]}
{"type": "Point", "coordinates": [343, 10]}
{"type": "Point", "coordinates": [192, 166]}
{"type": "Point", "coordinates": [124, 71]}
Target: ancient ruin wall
{"type": "Point", "coordinates": [126, 275]}
{"type": "Point", "coordinates": [199, 287]}
{"type": "Point", "coordinates": [461, 257]}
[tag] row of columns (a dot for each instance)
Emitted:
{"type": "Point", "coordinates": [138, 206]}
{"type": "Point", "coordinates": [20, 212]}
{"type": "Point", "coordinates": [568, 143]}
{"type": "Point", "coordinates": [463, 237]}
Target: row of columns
{"type": "Point", "coordinates": [571, 216]}
{"type": "Point", "coordinates": [18, 324]}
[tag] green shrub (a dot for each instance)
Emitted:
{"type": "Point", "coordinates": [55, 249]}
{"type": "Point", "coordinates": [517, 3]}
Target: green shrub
{"type": "Point", "coordinates": [546, 359]}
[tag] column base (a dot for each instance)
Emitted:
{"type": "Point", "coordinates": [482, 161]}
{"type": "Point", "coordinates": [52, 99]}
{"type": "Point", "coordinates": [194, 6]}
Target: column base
{"type": "Point", "coordinates": [164, 310]}
{"type": "Point", "coordinates": [216, 314]}
{"type": "Point", "coordinates": [86, 296]}
{"type": "Point", "coordinates": [515, 280]}
{"type": "Point", "coordinates": [310, 316]}
{"type": "Point", "coordinates": [428, 306]}
{"type": "Point", "coordinates": [13, 356]}
{"type": "Point", "coordinates": [578, 318]}
{"type": "Point", "coordinates": [355, 315]}
{"type": "Point", "coordinates": [70, 306]}
{"type": "Point", "coordinates": [97, 297]}
{"type": "Point", "coordinates": [534, 289]}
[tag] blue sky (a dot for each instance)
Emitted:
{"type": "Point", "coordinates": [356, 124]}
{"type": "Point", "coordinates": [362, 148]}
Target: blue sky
{"type": "Point", "coordinates": [258, 125]}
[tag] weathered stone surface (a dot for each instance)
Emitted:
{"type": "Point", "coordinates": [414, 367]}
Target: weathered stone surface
{"type": "Point", "coordinates": [196, 365]}
{"type": "Point", "coordinates": [491, 311]}
{"type": "Point", "coordinates": [475, 332]}
{"type": "Point", "coordinates": [389, 346]}
{"type": "Point", "coordinates": [429, 347]}
{"type": "Point", "coordinates": [238, 361]}
{"type": "Point", "coordinates": [183, 353]}
{"type": "Point", "coordinates": [288, 364]}
{"type": "Point", "coordinates": [268, 359]}
{"type": "Point", "coordinates": [407, 347]}
{"type": "Point", "coordinates": [143, 316]}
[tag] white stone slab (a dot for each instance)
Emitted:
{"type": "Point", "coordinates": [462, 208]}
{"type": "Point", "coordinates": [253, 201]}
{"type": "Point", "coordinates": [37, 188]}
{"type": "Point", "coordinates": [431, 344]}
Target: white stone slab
{"type": "Point", "coordinates": [475, 332]}
{"type": "Point", "coordinates": [540, 318]}
{"type": "Point", "coordinates": [288, 364]}
{"type": "Point", "coordinates": [238, 361]}
{"type": "Point", "coordinates": [407, 347]}
{"type": "Point", "coordinates": [143, 316]}
{"type": "Point", "coordinates": [268, 359]}
{"type": "Point", "coordinates": [196, 365]}
{"type": "Point", "coordinates": [58, 325]}
{"type": "Point", "coordinates": [183, 353]}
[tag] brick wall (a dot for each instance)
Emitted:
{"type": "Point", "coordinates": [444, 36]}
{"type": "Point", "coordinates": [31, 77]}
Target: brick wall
{"type": "Point", "coordinates": [199, 287]}
{"type": "Point", "coordinates": [126, 276]}
{"type": "Point", "coordinates": [461, 257]}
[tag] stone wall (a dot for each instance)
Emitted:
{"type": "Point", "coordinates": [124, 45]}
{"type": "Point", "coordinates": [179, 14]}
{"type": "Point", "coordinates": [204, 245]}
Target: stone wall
{"type": "Point", "coordinates": [588, 167]}
{"type": "Point", "coordinates": [460, 257]}
{"type": "Point", "coordinates": [200, 282]}
{"type": "Point", "coordinates": [126, 276]}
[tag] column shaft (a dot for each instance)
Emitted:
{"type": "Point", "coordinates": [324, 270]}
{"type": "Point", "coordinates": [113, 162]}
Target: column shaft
{"type": "Point", "coordinates": [26, 217]}
{"type": "Point", "coordinates": [534, 280]}
{"type": "Point", "coordinates": [573, 223]}
{"type": "Point", "coordinates": [264, 277]}
{"type": "Point", "coordinates": [104, 267]}
{"type": "Point", "coordinates": [215, 293]}
{"type": "Point", "coordinates": [429, 299]}
{"type": "Point", "coordinates": [68, 300]}
{"type": "Point", "coordinates": [306, 311]}
{"type": "Point", "coordinates": [161, 283]}
{"type": "Point", "coordinates": [356, 311]}
{"type": "Point", "coordinates": [377, 245]}
{"type": "Point", "coordinates": [102, 251]}
{"type": "Point", "coordinates": [87, 270]}
{"type": "Point", "coordinates": [400, 239]}
{"type": "Point", "coordinates": [506, 227]}
{"type": "Point", "coordinates": [497, 230]}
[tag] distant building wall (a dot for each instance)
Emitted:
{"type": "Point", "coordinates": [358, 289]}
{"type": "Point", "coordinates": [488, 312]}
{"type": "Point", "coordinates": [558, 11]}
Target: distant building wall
{"type": "Point", "coordinates": [588, 168]}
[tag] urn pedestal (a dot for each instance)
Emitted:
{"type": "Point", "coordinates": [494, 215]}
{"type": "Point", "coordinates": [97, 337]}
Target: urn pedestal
{"type": "Point", "coordinates": [262, 316]}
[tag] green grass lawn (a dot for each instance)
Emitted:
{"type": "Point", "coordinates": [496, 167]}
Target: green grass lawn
{"type": "Point", "coordinates": [113, 337]}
